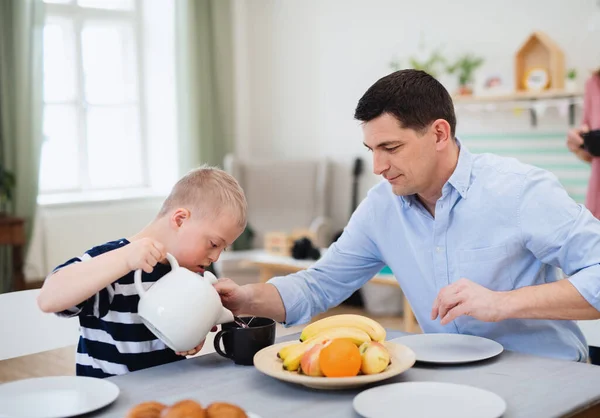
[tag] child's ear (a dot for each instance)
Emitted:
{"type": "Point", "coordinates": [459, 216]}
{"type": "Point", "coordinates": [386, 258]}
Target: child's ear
{"type": "Point", "coordinates": [179, 216]}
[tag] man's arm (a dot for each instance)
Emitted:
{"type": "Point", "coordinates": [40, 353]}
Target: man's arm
{"type": "Point", "coordinates": [347, 265]}
{"type": "Point", "coordinates": [294, 299]}
{"type": "Point", "coordinates": [558, 300]}
{"type": "Point", "coordinates": [559, 232]}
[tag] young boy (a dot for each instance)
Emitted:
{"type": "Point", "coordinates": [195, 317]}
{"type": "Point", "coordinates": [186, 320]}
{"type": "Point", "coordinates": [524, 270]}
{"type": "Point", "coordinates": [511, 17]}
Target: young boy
{"type": "Point", "coordinates": [204, 213]}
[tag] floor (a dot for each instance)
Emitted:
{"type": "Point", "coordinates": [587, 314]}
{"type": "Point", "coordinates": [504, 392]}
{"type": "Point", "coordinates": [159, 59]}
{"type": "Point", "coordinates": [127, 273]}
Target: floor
{"type": "Point", "coordinates": [62, 361]}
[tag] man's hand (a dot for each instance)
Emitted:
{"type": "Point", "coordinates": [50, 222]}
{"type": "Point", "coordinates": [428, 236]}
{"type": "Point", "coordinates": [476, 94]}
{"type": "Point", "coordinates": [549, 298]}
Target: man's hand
{"type": "Point", "coordinates": [465, 297]}
{"type": "Point", "coordinates": [196, 349]}
{"type": "Point", "coordinates": [258, 299]}
{"type": "Point", "coordinates": [234, 297]}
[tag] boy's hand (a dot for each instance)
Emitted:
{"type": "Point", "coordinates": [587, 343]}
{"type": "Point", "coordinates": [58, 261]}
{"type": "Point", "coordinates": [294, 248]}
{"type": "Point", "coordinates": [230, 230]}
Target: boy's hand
{"type": "Point", "coordinates": [233, 296]}
{"type": "Point", "coordinates": [196, 349]}
{"type": "Point", "coordinates": [144, 254]}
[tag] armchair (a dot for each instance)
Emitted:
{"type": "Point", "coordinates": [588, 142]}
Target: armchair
{"type": "Point", "coordinates": [282, 195]}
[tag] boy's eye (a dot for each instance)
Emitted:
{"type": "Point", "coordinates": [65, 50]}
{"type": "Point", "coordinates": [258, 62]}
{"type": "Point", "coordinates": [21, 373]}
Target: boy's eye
{"type": "Point", "coordinates": [212, 244]}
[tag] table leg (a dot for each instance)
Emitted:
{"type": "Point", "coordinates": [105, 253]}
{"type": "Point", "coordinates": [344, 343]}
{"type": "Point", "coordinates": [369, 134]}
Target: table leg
{"type": "Point", "coordinates": [17, 262]}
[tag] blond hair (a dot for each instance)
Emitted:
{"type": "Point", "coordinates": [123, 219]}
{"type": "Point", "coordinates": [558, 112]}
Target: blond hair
{"type": "Point", "coordinates": [209, 190]}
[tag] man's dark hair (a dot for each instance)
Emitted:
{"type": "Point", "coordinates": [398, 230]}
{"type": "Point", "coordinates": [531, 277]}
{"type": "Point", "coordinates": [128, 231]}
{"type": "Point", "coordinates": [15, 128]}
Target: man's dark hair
{"type": "Point", "coordinates": [413, 97]}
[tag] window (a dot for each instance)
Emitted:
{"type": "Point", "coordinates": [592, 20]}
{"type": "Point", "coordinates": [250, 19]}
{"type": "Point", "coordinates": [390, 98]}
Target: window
{"type": "Point", "coordinates": [94, 136]}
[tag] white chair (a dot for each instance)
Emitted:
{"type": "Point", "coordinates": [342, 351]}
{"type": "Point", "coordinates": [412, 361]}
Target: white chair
{"type": "Point", "coordinates": [284, 194]}
{"type": "Point", "coordinates": [25, 329]}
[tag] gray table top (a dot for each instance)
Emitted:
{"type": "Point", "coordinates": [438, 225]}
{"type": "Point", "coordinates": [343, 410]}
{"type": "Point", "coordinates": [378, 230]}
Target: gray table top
{"type": "Point", "coordinates": [531, 386]}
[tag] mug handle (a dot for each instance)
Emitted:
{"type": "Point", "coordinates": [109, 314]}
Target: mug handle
{"type": "Point", "coordinates": [217, 344]}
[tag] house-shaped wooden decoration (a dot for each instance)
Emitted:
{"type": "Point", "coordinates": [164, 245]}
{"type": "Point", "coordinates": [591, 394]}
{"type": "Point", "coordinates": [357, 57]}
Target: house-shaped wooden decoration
{"type": "Point", "coordinates": [539, 64]}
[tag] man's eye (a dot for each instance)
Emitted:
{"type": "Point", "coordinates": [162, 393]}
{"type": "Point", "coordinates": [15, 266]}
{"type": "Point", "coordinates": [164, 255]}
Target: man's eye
{"type": "Point", "coordinates": [392, 149]}
{"type": "Point", "coordinates": [212, 244]}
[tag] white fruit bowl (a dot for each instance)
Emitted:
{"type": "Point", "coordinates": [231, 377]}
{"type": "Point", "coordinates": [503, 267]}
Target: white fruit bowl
{"type": "Point", "coordinates": [267, 362]}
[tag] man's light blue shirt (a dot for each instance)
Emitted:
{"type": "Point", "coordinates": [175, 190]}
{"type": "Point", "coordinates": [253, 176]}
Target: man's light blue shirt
{"type": "Point", "coordinates": [499, 222]}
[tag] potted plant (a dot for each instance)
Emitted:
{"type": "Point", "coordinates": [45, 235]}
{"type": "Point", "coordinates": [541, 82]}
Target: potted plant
{"type": "Point", "coordinates": [465, 67]}
{"type": "Point", "coordinates": [571, 82]}
{"type": "Point", "coordinates": [7, 185]}
{"type": "Point", "coordinates": [429, 64]}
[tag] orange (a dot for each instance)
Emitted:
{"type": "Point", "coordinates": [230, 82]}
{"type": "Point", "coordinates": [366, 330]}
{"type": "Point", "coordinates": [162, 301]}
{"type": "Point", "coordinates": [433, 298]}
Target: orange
{"type": "Point", "coordinates": [340, 358]}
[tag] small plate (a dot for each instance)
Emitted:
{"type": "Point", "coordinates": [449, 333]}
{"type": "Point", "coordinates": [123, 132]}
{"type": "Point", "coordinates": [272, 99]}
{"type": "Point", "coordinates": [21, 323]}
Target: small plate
{"type": "Point", "coordinates": [267, 362]}
{"type": "Point", "coordinates": [55, 397]}
{"type": "Point", "coordinates": [450, 348]}
{"type": "Point", "coordinates": [428, 399]}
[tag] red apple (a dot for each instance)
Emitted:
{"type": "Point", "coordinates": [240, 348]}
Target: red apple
{"type": "Point", "coordinates": [309, 364]}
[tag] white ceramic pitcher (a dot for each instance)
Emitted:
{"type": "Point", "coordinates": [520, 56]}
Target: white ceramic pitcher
{"type": "Point", "coordinates": [181, 307]}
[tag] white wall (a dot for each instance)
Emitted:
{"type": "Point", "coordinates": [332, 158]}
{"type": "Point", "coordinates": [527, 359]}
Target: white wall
{"type": "Point", "coordinates": [303, 65]}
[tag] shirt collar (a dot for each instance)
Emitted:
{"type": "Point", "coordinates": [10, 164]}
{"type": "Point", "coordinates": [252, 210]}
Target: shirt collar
{"type": "Point", "coordinates": [460, 178]}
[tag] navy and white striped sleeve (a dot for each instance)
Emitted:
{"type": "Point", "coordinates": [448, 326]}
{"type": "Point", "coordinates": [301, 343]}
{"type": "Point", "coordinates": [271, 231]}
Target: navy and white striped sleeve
{"type": "Point", "coordinates": [97, 305]}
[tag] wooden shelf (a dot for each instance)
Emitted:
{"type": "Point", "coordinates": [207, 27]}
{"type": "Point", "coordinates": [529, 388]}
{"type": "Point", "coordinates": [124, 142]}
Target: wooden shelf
{"type": "Point", "coordinates": [524, 96]}
{"type": "Point", "coordinates": [518, 96]}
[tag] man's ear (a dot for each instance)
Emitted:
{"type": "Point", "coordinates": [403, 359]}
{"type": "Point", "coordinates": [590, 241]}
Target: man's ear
{"type": "Point", "coordinates": [443, 133]}
{"type": "Point", "coordinates": [179, 216]}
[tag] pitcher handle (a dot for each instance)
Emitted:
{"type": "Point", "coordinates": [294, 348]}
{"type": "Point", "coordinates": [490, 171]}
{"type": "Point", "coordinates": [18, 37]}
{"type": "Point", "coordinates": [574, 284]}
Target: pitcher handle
{"type": "Point", "coordinates": [137, 275]}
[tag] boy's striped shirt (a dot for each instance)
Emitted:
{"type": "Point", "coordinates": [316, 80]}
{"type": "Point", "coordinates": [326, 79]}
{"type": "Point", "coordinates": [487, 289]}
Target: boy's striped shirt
{"type": "Point", "coordinates": [113, 340]}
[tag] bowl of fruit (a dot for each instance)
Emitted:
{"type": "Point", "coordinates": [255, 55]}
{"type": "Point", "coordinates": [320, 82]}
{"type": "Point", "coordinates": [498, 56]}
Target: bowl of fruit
{"type": "Point", "coordinates": [337, 352]}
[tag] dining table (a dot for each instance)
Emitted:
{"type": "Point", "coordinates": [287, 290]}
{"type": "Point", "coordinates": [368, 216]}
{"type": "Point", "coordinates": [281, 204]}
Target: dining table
{"type": "Point", "coordinates": [531, 386]}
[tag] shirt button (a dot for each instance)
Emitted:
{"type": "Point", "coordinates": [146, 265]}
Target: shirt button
{"type": "Point", "coordinates": [439, 249]}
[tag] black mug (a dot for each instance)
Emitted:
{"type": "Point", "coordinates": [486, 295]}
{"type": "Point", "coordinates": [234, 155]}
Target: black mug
{"type": "Point", "coordinates": [241, 344]}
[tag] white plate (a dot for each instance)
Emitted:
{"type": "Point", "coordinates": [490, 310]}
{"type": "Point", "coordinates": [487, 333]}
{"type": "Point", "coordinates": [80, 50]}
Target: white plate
{"type": "Point", "coordinates": [251, 415]}
{"type": "Point", "coordinates": [428, 399]}
{"type": "Point", "coordinates": [55, 397]}
{"type": "Point", "coordinates": [450, 348]}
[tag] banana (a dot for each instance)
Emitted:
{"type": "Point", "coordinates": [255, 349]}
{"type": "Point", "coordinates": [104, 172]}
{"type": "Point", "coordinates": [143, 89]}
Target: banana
{"type": "Point", "coordinates": [283, 353]}
{"type": "Point", "coordinates": [373, 328]}
{"type": "Point", "coordinates": [292, 356]}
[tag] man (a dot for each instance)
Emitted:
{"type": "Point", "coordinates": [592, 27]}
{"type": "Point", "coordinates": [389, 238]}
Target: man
{"type": "Point", "coordinates": [475, 241]}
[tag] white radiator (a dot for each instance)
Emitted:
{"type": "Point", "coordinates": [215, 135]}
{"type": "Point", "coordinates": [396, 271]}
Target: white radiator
{"type": "Point", "coordinates": [65, 231]}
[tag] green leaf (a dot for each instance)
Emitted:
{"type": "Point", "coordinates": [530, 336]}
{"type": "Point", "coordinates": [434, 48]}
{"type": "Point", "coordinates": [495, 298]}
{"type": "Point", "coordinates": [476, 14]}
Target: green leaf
{"type": "Point", "coordinates": [7, 185]}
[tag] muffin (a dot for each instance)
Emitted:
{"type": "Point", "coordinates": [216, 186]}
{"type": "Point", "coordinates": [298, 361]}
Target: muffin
{"type": "Point", "coordinates": [149, 409]}
{"type": "Point", "coordinates": [184, 409]}
{"type": "Point", "coordinates": [225, 410]}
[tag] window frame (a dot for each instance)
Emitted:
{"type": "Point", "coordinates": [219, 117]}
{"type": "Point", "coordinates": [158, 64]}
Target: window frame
{"type": "Point", "coordinates": [78, 15]}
